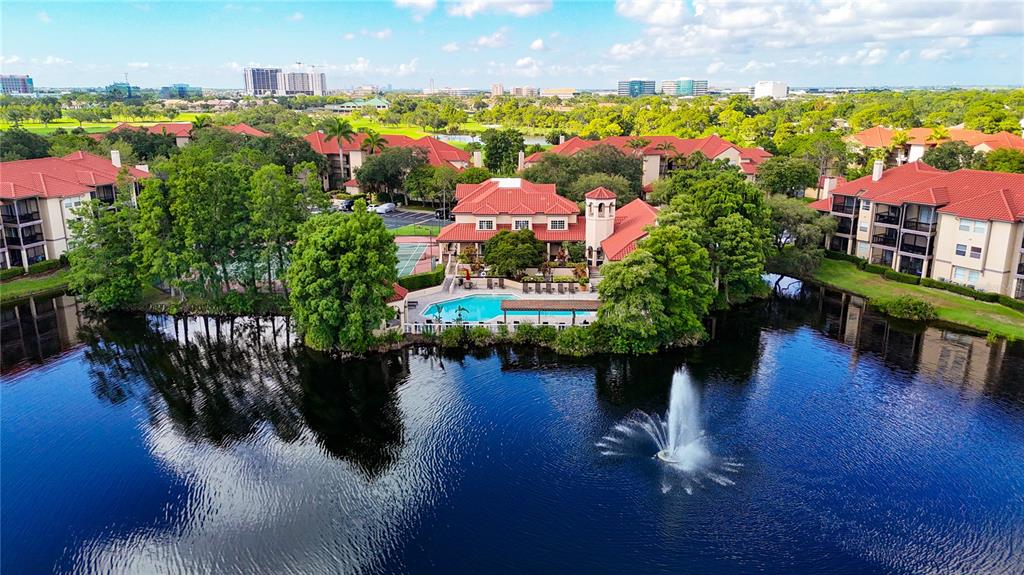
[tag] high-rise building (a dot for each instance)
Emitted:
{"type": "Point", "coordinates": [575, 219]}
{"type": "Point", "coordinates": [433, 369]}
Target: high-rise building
{"type": "Point", "coordinates": [684, 87]}
{"type": "Point", "coordinates": [261, 81]}
{"type": "Point", "coordinates": [524, 92]}
{"type": "Point", "coordinates": [121, 90]}
{"type": "Point", "coordinates": [560, 93]}
{"type": "Point", "coordinates": [770, 89]}
{"type": "Point", "coordinates": [636, 88]}
{"type": "Point", "coordinates": [15, 84]}
{"type": "Point", "coordinates": [180, 91]}
{"type": "Point", "coordinates": [306, 83]}
{"type": "Point", "coordinates": [497, 90]}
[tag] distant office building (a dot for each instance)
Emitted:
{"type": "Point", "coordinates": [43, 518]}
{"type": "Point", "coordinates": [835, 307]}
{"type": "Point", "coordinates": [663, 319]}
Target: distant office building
{"type": "Point", "coordinates": [261, 81]}
{"type": "Point", "coordinates": [560, 93]}
{"type": "Point", "coordinates": [378, 104]}
{"type": "Point", "coordinates": [301, 83]}
{"type": "Point", "coordinates": [446, 91]}
{"type": "Point", "coordinates": [524, 92]}
{"type": "Point", "coordinates": [365, 90]}
{"type": "Point", "coordinates": [15, 84]}
{"type": "Point", "coordinates": [497, 90]}
{"type": "Point", "coordinates": [181, 91]}
{"type": "Point", "coordinates": [684, 87]}
{"type": "Point", "coordinates": [637, 88]}
{"type": "Point", "coordinates": [121, 90]}
{"type": "Point", "coordinates": [770, 89]}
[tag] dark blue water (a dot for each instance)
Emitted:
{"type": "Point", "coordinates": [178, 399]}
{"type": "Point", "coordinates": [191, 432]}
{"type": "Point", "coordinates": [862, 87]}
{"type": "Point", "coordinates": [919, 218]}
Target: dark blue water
{"type": "Point", "coordinates": [138, 445]}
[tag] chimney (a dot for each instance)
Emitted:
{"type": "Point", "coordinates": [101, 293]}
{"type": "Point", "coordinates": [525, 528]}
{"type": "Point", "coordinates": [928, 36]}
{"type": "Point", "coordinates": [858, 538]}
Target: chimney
{"type": "Point", "coordinates": [561, 137]}
{"type": "Point", "coordinates": [142, 167]}
{"type": "Point", "coordinates": [115, 158]}
{"type": "Point", "coordinates": [522, 160]}
{"type": "Point", "coordinates": [827, 185]}
{"type": "Point", "coordinates": [478, 159]}
{"type": "Point", "coordinates": [1022, 127]}
{"type": "Point", "coordinates": [876, 170]}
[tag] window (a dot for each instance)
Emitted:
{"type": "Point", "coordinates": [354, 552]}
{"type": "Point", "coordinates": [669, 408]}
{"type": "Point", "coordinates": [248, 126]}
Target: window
{"type": "Point", "coordinates": [966, 275]}
{"type": "Point", "coordinates": [976, 226]}
{"type": "Point", "coordinates": [556, 224]}
{"type": "Point", "coordinates": [976, 253]}
{"type": "Point", "coordinates": [522, 224]}
{"type": "Point", "coordinates": [863, 226]}
{"type": "Point", "coordinates": [865, 205]}
{"type": "Point", "coordinates": [485, 224]}
{"type": "Point", "coordinates": [961, 250]}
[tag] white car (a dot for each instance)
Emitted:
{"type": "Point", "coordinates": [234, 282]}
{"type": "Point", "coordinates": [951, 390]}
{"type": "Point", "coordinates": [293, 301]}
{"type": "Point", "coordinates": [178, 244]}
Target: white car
{"type": "Point", "coordinates": [385, 208]}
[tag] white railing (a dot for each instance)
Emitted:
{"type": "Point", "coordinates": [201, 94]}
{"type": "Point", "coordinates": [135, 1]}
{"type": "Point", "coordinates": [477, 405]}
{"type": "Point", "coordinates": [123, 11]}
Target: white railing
{"type": "Point", "coordinates": [429, 328]}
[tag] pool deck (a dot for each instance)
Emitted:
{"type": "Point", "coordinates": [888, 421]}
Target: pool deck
{"type": "Point", "coordinates": [424, 301]}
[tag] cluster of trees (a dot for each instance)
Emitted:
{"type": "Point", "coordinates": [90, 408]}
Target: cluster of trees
{"type": "Point", "coordinates": [600, 165]}
{"type": "Point", "coordinates": [952, 156]}
{"type": "Point", "coordinates": [715, 236]}
{"type": "Point", "coordinates": [47, 110]}
{"type": "Point", "coordinates": [215, 223]}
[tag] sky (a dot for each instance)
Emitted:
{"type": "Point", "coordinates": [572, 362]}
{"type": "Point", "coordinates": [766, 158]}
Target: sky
{"type": "Point", "coordinates": [541, 43]}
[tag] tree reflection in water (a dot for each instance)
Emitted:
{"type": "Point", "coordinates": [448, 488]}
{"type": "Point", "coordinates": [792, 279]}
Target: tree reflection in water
{"type": "Point", "coordinates": [221, 380]}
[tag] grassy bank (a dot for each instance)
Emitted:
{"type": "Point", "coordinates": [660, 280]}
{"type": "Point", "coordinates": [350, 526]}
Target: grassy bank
{"type": "Point", "coordinates": [952, 308]}
{"type": "Point", "coordinates": [416, 230]}
{"type": "Point", "coordinates": [34, 285]}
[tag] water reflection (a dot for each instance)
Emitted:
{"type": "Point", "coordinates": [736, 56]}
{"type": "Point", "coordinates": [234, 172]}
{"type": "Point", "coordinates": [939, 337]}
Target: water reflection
{"type": "Point", "coordinates": [220, 381]}
{"type": "Point", "coordinates": [37, 329]}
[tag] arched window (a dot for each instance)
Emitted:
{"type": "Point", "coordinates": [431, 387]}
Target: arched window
{"type": "Point", "coordinates": [600, 209]}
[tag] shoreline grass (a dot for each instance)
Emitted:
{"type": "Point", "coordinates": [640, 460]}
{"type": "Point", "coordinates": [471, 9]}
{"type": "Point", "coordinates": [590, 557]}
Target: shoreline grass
{"type": "Point", "coordinates": [951, 308]}
{"type": "Point", "coordinates": [25, 287]}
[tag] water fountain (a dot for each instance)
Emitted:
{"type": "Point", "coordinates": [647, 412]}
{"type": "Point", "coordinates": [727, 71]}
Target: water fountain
{"type": "Point", "coordinates": [677, 440]}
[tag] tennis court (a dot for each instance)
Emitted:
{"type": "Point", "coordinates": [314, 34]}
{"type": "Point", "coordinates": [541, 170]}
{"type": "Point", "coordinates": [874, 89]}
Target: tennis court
{"type": "Point", "coordinates": [408, 256]}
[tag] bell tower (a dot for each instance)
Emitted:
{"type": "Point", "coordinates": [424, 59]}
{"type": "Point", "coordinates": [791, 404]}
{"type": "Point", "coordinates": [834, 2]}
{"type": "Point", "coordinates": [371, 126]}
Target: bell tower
{"type": "Point", "coordinates": [600, 206]}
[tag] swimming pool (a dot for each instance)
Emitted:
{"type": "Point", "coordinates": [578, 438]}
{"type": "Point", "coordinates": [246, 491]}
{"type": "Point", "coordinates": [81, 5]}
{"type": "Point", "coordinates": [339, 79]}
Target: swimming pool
{"type": "Point", "coordinates": [483, 307]}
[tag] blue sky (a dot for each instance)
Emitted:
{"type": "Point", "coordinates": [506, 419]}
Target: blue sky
{"type": "Point", "coordinates": [543, 43]}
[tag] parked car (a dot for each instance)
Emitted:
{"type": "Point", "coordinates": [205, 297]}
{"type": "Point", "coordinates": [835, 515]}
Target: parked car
{"type": "Point", "coordinates": [385, 208]}
{"type": "Point", "coordinates": [346, 205]}
{"type": "Point", "coordinates": [444, 214]}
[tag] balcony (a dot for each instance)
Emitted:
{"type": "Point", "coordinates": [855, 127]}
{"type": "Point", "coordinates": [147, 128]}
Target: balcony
{"type": "Point", "coordinates": [843, 208]}
{"type": "Point", "coordinates": [919, 226]}
{"type": "Point", "coordinates": [22, 218]}
{"type": "Point", "coordinates": [1020, 269]}
{"type": "Point", "coordinates": [29, 239]}
{"type": "Point", "coordinates": [884, 240]}
{"type": "Point", "coordinates": [888, 219]}
{"type": "Point", "coordinates": [915, 249]}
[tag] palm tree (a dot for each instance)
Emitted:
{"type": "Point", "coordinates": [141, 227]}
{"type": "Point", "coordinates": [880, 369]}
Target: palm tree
{"type": "Point", "coordinates": [373, 143]}
{"type": "Point", "coordinates": [898, 143]}
{"type": "Point", "coordinates": [939, 133]}
{"type": "Point", "coordinates": [338, 129]}
{"type": "Point", "coordinates": [202, 121]}
{"type": "Point", "coordinates": [637, 144]}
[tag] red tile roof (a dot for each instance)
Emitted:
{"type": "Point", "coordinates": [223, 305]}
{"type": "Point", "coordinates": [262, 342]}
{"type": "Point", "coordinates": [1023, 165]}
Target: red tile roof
{"type": "Point", "coordinates": [468, 233]}
{"type": "Point", "coordinates": [176, 129]}
{"type": "Point", "coordinates": [438, 153]}
{"type": "Point", "coordinates": [514, 196]}
{"type": "Point", "coordinates": [631, 223]}
{"type": "Point", "coordinates": [600, 193]}
{"type": "Point", "coordinates": [398, 294]}
{"type": "Point", "coordinates": [76, 174]}
{"type": "Point", "coordinates": [822, 205]}
{"type": "Point", "coordinates": [974, 194]}
{"type": "Point", "coordinates": [881, 137]}
{"type": "Point", "coordinates": [245, 130]}
{"type": "Point", "coordinates": [711, 146]}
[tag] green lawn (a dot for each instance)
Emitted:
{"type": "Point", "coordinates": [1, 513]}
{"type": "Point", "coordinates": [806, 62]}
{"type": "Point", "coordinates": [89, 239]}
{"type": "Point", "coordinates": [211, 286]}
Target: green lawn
{"type": "Point", "coordinates": [416, 230]}
{"type": "Point", "coordinates": [956, 309]}
{"type": "Point", "coordinates": [92, 127]}
{"type": "Point", "coordinates": [33, 285]}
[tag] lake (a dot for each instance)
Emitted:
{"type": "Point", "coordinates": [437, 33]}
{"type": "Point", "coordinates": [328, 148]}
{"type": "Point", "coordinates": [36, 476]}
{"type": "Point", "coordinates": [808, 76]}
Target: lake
{"type": "Point", "coordinates": [855, 445]}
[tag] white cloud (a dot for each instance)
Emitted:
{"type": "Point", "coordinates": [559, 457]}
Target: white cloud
{"type": "Point", "coordinates": [421, 6]}
{"type": "Point", "coordinates": [44, 17]}
{"type": "Point", "coordinates": [348, 36]}
{"type": "Point", "coordinates": [520, 8]}
{"type": "Point", "coordinates": [496, 40]}
{"type": "Point", "coordinates": [537, 44]}
{"type": "Point", "coordinates": [715, 67]}
{"type": "Point", "coordinates": [903, 56]}
{"type": "Point", "coordinates": [9, 59]}
{"type": "Point", "coordinates": [450, 47]}
{"type": "Point", "coordinates": [364, 67]}
{"type": "Point", "coordinates": [935, 54]}
{"type": "Point", "coordinates": [382, 34]}
{"type": "Point", "coordinates": [756, 66]}
{"type": "Point", "coordinates": [653, 12]}
{"type": "Point", "coordinates": [295, 17]}
{"type": "Point", "coordinates": [138, 65]}
{"type": "Point", "coordinates": [51, 61]}
{"type": "Point", "coordinates": [867, 56]}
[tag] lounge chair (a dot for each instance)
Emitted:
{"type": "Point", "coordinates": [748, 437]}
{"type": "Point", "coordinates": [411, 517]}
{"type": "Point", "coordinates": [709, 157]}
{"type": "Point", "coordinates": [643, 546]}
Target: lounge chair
{"type": "Point", "coordinates": [572, 287]}
{"type": "Point", "coordinates": [561, 288]}
{"type": "Point", "coordinates": [490, 283]}
{"type": "Point", "coordinates": [551, 288]}
{"type": "Point", "coordinates": [501, 283]}
{"type": "Point", "coordinates": [469, 285]}
{"type": "Point", "coordinates": [413, 304]}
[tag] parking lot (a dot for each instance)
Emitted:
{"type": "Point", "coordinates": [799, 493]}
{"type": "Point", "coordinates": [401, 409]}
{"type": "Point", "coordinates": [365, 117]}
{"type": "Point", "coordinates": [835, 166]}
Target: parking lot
{"type": "Point", "coordinates": [401, 218]}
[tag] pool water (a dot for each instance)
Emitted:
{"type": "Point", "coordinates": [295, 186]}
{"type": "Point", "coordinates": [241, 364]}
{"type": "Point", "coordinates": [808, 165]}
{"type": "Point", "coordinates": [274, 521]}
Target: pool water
{"type": "Point", "coordinates": [484, 308]}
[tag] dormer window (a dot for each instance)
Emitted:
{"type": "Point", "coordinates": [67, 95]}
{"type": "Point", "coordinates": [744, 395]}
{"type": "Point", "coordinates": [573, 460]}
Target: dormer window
{"type": "Point", "coordinates": [556, 224]}
{"type": "Point", "coordinates": [521, 224]}
{"type": "Point", "coordinates": [485, 225]}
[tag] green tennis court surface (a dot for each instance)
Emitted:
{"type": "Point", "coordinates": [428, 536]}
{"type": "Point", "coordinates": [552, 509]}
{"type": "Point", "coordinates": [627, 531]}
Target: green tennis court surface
{"type": "Point", "coordinates": [408, 255]}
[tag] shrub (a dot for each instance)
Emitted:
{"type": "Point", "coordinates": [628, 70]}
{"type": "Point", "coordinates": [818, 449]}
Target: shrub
{"type": "Point", "coordinates": [901, 277]}
{"type": "Point", "coordinates": [43, 266]}
{"type": "Point", "coordinates": [876, 269]}
{"type": "Point", "coordinates": [834, 255]}
{"type": "Point", "coordinates": [452, 337]}
{"type": "Point", "coordinates": [575, 341]}
{"type": "Point", "coordinates": [11, 273]}
{"type": "Point", "coordinates": [480, 336]}
{"type": "Point", "coordinates": [545, 335]}
{"type": "Point", "coordinates": [961, 289]}
{"type": "Point", "coordinates": [1012, 303]}
{"type": "Point", "coordinates": [423, 280]}
{"type": "Point", "coordinates": [905, 307]}
{"type": "Point", "coordinates": [525, 333]}
{"type": "Point", "coordinates": [503, 333]}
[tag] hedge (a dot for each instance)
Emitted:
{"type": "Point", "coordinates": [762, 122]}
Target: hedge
{"type": "Point", "coordinates": [1011, 303]}
{"type": "Point", "coordinates": [423, 280]}
{"type": "Point", "coordinates": [901, 277]}
{"type": "Point", "coordinates": [11, 273]}
{"type": "Point", "coordinates": [834, 255]}
{"type": "Point", "coordinates": [876, 269]}
{"type": "Point", "coordinates": [961, 289]}
{"type": "Point", "coordinates": [43, 266]}
{"type": "Point", "coordinates": [905, 307]}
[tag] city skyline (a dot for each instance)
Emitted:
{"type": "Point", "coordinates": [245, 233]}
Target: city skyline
{"type": "Point", "coordinates": [474, 43]}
